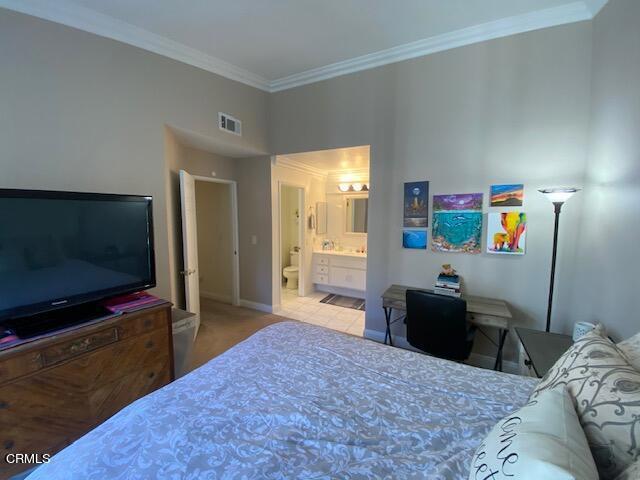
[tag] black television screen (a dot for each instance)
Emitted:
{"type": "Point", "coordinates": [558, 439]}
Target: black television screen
{"type": "Point", "coordinates": [59, 249]}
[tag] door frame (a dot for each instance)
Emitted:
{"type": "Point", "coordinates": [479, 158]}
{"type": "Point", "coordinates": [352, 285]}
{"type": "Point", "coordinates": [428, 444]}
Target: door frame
{"type": "Point", "coordinates": [235, 266]}
{"type": "Point", "coordinates": [302, 192]}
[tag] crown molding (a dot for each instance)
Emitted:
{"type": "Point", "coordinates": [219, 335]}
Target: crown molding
{"type": "Point", "coordinates": [70, 14]}
{"type": "Point", "coordinates": [286, 162]}
{"type": "Point", "coordinates": [82, 18]}
{"type": "Point", "coordinates": [550, 17]}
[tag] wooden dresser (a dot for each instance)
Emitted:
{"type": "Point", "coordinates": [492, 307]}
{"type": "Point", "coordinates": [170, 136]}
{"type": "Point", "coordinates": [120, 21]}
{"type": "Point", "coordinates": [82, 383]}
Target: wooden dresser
{"type": "Point", "coordinates": [55, 389]}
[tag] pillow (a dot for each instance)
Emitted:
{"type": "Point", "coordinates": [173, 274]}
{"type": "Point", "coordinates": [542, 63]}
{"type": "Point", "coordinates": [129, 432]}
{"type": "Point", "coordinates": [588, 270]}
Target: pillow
{"type": "Point", "coordinates": [542, 440]}
{"type": "Point", "coordinates": [606, 393]}
{"type": "Point", "coordinates": [631, 473]}
{"type": "Point", "coordinates": [631, 349]}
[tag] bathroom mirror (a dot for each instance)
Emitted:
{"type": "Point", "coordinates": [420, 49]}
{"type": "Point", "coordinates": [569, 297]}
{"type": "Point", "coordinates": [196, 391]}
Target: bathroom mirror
{"type": "Point", "coordinates": [356, 214]}
{"type": "Point", "coordinates": [321, 220]}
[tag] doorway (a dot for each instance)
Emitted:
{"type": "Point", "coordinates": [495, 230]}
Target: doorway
{"type": "Point", "coordinates": [210, 240]}
{"type": "Point", "coordinates": [292, 241]}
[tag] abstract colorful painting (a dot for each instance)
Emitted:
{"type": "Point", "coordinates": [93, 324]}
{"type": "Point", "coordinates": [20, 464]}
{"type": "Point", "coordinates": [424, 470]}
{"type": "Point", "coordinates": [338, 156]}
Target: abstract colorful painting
{"type": "Point", "coordinates": [457, 223]}
{"type": "Point", "coordinates": [416, 204]}
{"type": "Point", "coordinates": [414, 239]}
{"type": "Point", "coordinates": [507, 233]}
{"type": "Point", "coordinates": [507, 195]}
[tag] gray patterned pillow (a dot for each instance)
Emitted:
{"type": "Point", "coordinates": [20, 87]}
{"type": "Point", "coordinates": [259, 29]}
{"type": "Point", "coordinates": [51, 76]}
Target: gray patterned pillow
{"type": "Point", "coordinates": [606, 391]}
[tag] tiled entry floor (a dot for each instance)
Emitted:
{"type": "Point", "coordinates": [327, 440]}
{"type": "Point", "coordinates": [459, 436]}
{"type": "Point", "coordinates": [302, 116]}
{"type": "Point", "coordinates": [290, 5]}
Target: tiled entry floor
{"type": "Point", "coordinates": [310, 310]}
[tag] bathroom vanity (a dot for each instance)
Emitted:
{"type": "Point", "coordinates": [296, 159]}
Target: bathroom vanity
{"type": "Point", "coordinates": [340, 272]}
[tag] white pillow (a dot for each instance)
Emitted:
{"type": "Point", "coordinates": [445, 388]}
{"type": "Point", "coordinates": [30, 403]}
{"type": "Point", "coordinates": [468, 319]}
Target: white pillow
{"type": "Point", "coordinates": [542, 440]}
{"type": "Point", "coordinates": [631, 349]}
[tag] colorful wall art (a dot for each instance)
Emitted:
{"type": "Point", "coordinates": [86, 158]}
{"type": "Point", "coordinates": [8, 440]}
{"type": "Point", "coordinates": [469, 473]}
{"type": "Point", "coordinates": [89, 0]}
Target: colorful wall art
{"type": "Point", "coordinates": [507, 195]}
{"type": "Point", "coordinates": [506, 233]}
{"type": "Point", "coordinates": [414, 239]}
{"type": "Point", "coordinates": [457, 223]}
{"type": "Point", "coordinates": [416, 204]}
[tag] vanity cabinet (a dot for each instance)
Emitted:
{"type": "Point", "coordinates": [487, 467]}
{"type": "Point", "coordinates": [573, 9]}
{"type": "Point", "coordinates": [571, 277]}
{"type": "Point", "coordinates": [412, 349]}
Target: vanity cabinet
{"type": "Point", "coordinates": [340, 270]}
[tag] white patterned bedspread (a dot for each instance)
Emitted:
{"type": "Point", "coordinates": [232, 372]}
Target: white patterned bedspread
{"type": "Point", "coordinates": [297, 401]}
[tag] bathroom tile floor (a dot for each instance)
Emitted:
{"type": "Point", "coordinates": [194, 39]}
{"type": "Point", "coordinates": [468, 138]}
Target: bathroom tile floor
{"type": "Point", "coordinates": [310, 310]}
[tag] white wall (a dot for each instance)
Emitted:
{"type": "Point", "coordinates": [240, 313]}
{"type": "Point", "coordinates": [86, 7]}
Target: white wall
{"type": "Point", "coordinates": [215, 240]}
{"type": "Point", "coordinates": [509, 110]}
{"type": "Point", "coordinates": [606, 282]}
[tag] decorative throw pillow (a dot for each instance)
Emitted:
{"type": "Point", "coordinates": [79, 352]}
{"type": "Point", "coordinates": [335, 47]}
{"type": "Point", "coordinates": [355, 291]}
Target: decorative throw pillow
{"type": "Point", "coordinates": [542, 440]}
{"type": "Point", "coordinates": [606, 392]}
{"type": "Point", "coordinates": [631, 349]}
{"type": "Point", "coordinates": [631, 473]}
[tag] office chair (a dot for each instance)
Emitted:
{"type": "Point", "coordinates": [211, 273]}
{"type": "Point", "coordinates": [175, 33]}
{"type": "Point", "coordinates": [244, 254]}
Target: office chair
{"type": "Point", "coordinates": [437, 324]}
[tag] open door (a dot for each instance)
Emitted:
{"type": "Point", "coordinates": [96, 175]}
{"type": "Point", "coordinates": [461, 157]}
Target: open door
{"type": "Point", "coordinates": [190, 242]}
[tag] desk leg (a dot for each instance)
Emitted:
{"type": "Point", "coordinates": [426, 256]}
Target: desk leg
{"type": "Point", "coordinates": [387, 333]}
{"type": "Point", "coordinates": [502, 336]}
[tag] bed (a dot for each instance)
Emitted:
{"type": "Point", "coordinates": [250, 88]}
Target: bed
{"type": "Point", "coordinates": [300, 401]}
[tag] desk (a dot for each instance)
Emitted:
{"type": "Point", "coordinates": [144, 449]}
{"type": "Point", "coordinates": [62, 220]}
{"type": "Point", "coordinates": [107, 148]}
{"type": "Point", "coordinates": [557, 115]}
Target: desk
{"type": "Point", "coordinates": [482, 312]}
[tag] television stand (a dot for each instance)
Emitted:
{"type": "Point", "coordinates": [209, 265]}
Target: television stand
{"type": "Point", "coordinates": [36, 325]}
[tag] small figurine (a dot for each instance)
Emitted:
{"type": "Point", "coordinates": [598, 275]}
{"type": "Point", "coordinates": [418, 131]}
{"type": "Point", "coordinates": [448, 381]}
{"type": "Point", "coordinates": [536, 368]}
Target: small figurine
{"type": "Point", "coordinates": [448, 270]}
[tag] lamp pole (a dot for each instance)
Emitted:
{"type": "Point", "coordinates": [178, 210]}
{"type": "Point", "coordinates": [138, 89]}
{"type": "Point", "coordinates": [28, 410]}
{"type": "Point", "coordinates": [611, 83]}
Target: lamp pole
{"type": "Point", "coordinates": [557, 207]}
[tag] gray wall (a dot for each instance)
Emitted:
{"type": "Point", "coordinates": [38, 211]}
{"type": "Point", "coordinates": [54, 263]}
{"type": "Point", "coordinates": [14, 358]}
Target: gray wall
{"type": "Point", "coordinates": [606, 283]}
{"type": "Point", "coordinates": [81, 112]}
{"type": "Point", "coordinates": [508, 110]}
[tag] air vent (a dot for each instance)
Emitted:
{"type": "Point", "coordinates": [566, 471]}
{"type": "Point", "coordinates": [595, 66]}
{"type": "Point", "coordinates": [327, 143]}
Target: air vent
{"type": "Point", "coordinates": [229, 124]}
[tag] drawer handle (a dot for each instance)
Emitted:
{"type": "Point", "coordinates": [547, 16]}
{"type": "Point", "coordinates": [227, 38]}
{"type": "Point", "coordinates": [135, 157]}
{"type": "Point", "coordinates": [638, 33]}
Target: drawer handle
{"type": "Point", "coordinates": [3, 405]}
{"type": "Point", "coordinates": [8, 444]}
{"type": "Point", "coordinates": [149, 344]}
{"type": "Point", "coordinates": [147, 323]}
{"type": "Point", "coordinates": [80, 345]}
{"type": "Point", "coordinates": [527, 362]}
{"type": "Point", "coordinates": [151, 375]}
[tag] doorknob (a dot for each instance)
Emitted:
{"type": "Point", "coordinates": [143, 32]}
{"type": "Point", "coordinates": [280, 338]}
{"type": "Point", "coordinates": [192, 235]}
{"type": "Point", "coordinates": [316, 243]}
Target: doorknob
{"type": "Point", "coordinates": [186, 273]}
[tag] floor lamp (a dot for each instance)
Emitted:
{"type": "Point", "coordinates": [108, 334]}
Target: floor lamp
{"type": "Point", "coordinates": [557, 196]}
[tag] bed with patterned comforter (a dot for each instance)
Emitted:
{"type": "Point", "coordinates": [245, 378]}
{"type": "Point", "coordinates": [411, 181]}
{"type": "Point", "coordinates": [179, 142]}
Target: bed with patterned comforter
{"type": "Point", "coordinates": [297, 401]}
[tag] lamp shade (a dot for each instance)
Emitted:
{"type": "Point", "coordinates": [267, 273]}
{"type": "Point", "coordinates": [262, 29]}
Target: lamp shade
{"type": "Point", "coordinates": [558, 194]}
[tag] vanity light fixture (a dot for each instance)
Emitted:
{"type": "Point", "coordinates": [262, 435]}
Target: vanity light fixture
{"type": "Point", "coordinates": [353, 187]}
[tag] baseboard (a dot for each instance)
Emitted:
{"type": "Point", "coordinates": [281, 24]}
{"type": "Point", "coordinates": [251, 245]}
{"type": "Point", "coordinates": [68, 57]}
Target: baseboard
{"type": "Point", "coordinates": [476, 359]}
{"type": "Point", "coordinates": [262, 307]}
{"type": "Point", "coordinates": [216, 297]}
{"type": "Point", "coordinates": [347, 292]}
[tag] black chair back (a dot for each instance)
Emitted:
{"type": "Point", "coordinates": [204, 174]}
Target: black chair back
{"type": "Point", "coordinates": [437, 324]}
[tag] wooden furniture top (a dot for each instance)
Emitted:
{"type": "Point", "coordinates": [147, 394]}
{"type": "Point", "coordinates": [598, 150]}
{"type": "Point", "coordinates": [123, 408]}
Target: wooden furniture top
{"type": "Point", "coordinates": [482, 311]}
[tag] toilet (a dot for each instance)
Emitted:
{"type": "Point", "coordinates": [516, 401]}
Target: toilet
{"type": "Point", "coordinates": [291, 272]}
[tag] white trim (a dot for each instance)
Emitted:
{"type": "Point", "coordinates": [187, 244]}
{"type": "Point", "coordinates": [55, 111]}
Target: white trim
{"type": "Point", "coordinates": [67, 13]}
{"type": "Point", "coordinates": [262, 307]}
{"type": "Point", "coordinates": [302, 284]}
{"type": "Point", "coordinates": [216, 297]}
{"type": "Point", "coordinates": [235, 267]}
{"type": "Point", "coordinates": [285, 162]}
{"type": "Point", "coordinates": [475, 359]}
{"type": "Point", "coordinates": [573, 12]}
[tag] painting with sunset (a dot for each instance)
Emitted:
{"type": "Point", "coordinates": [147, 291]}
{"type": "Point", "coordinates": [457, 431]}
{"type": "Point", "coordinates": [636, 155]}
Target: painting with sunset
{"type": "Point", "coordinates": [507, 233]}
{"type": "Point", "coordinates": [457, 223]}
{"type": "Point", "coordinates": [511, 195]}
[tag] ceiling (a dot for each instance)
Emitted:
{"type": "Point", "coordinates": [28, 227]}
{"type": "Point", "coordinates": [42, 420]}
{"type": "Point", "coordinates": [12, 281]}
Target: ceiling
{"type": "Point", "coordinates": [337, 159]}
{"type": "Point", "coordinates": [279, 44]}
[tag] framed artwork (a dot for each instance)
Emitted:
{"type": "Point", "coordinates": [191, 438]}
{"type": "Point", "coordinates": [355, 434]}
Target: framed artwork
{"type": "Point", "coordinates": [511, 195]}
{"type": "Point", "coordinates": [416, 239]}
{"type": "Point", "coordinates": [457, 223]}
{"type": "Point", "coordinates": [416, 204]}
{"type": "Point", "coordinates": [507, 233]}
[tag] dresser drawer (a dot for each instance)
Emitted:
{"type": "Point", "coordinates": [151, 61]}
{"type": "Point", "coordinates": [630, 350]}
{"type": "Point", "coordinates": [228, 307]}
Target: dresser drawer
{"type": "Point", "coordinates": [321, 259]}
{"type": "Point", "coordinates": [20, 365]}
{"type": "Point", "coordinates": [321, 279]}
{"type": "Point", "coordinates": [78, 346]}
{"type": "Point", "coordinates": [322, 270]}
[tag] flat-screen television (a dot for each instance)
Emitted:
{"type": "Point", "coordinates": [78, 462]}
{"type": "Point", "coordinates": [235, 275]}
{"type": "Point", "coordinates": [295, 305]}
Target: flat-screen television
{"type": "Point", "coordinates": [63, 249]}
